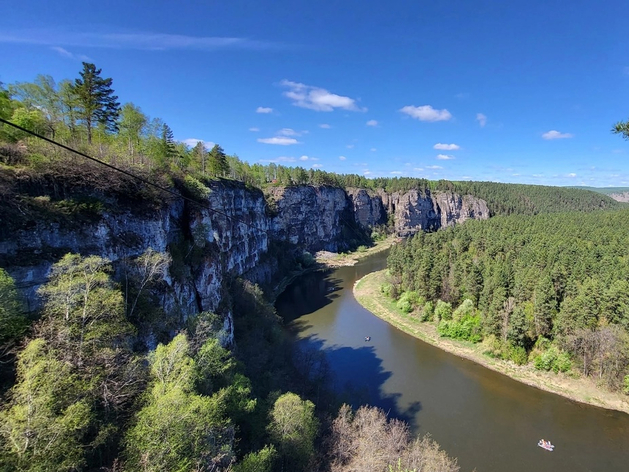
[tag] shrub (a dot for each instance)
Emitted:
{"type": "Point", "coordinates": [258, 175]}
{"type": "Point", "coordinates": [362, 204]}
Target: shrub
{"type": "Point", "coordinates": [443, 310]}
{"type": "Point", "coordinates": [625, 385]}
{"type": "Point", "coordinates": [429, 311]}
{"type": "Point", "coordinates": [465, 309]}
{"type": "Point", "coordinates": [553, 359]}
{"type": "Point", "coordinates": [386, 289]}
{"type": "Point", "coordinates": [404, 304]}
{"type": "Point", "coordinates": [467, 329]}
{"type": "Point", "coordinates": [518, 355]}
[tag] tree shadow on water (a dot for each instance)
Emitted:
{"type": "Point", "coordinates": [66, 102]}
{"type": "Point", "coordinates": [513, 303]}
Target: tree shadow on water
{"type": "Point", "coordinates": [309, 293]}
{"type": "Point", "coordinates": [354, 375]}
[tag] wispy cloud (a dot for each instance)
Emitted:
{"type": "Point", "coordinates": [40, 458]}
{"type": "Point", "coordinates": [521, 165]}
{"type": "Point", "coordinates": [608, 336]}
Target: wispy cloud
{"type": "Point", "coordinates": [325, 126]}
{"type": "Point", "coordinates": [308, 158]}
{"type": "Point", "coordinates": [135, 40]}
{"type": "Point", "coordinates": [373, 123]}
{"type": "Point", "coordinates": [434, 167]}
{"type": "Point", "coordinates": [426, 113]}
{"type": "Point", "coordinates": [317, 166]}
{"type": "Point", "coordinates": [290, 132]}
{"type": "Point", "coordinates": [280, 140]}
{"type": "Point", "coordinates": [554, 134]}
{"type": "Point", "coordinates": [264, 110]}
{"type": "Point", "coordinates": [69, 55]}
{"type": "Point", "coordinates": [396, 172]}
{"type": "Point", "coordinates": [446, 147]}
{"type": "Point", "coordinates": [482, 119]}
{"type": "Point", "coordinates": [572, 174]}
{"type": "Point", "coordinates": [316, 98]}
{"type": "Point", "coordinates": [192, 142]}
{"type": "Point", "coordinates": [255, 130]}
{"type": "Point", "coordinates": [373, 149]}
{"type": "Point", "coordinates": [342, 158]}
{"type": "Point", "coordinates": [280, 159]}
{"type": "Point", "coordinates": [444, 157]}
{"type": "Point", "coordinates": [350, 146]}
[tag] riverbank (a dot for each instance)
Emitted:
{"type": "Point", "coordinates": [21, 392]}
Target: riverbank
{"type": "Point", "coordinates": [367, 293]}
{"type": "Point", "coordinates": [333, 259]}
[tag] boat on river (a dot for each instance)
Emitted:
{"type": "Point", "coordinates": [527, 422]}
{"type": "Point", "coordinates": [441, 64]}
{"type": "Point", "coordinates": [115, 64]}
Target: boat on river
{"type": "Point", "coordinates": [546, 445]}
{"type": "Point", "coordinates": [367, 338]}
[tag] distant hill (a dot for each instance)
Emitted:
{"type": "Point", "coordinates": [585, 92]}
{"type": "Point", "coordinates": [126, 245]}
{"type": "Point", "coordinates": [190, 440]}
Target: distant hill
{"type": "Point", "coordinates": [620, 194]}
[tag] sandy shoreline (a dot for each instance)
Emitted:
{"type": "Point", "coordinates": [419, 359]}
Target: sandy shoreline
{"type": "Point", "coordinates": [367, 293]}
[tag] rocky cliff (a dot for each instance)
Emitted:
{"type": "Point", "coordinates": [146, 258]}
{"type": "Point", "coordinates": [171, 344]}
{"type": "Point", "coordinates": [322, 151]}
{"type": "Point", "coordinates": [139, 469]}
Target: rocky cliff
{"type": "Point", "coordinates": [229, 236]}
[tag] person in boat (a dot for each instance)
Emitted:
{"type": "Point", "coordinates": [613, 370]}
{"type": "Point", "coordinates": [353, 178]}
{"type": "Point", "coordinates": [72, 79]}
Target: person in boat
{"type": "Point", "coordinates": [367, 338]}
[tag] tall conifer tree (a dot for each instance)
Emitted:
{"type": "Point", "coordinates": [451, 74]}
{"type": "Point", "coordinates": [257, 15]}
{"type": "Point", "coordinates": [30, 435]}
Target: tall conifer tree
{"type": "Point", "coordinates": [96, 100]}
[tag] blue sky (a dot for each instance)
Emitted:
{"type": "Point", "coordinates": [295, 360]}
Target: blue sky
{"type": "Point", "coordinates": [521, 92]}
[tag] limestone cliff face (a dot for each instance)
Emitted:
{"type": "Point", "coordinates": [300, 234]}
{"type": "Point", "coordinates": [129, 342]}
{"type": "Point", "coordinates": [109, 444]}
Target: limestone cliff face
{"type": "Point", "coordinates": [229, 242]}
{"type": "Point", "coordinates": [311, 217]}
{"type": "Point", "coordinates": [368, 208]}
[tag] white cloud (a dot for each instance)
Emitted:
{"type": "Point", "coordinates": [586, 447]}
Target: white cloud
{"type": "Point", "coordinates": [396, 172]}
{"type": "Point", "coordinates": [366, 172]}
{"type": "Point", "coordinates": [264, 110]}
{"type": "Point", "coordinates": [444, 157]}
{"type": "Point", "coordinates": [280, 159]}
{"type": "Point", "coordinates": [350, 146]}
{"type": "Point", "coordinates": [288, 132]}
{"type": "Point", "coordinates": [317, 166]}
{"type": "Point", "coordinates": [68, 54]}
{"type": "Point", "coordinates": [281, 140]}
{"type": "Point", "coordinates": [308, 158]}
{"type": "Point", "coordinates": [434, 167]}
{"type": "Point", "coordinates": [192, 142]}
{"type": "Point", "coordinates": [446, 147]}
{"type": "Point", "coordinates": [418, 169]}
{"type": "Point", "coordinates": [426, 113]}
{"type": "Point", "coordinates": [572, 174]}
{"type": "Point", "coordinates": [147, 41]}
{"type": "Point", "coordinates": [554, 134]}
{"type": "Point", "coordinates": [373, 149]}
{"type": "Point", "coordinates": [482, 119]}
{"type": "Point", "coordinates": [254, 129]}
{"type": "Point", "coordinates": [372, 123]}
{"type": "Point", "coordinates": [315, 98]}
{"type": "Point", "coordinates": [342, 158]}
{"type": "Point", "coordinates": [325, 126]}
{"type": "Point", "coordinates": [303, 158]}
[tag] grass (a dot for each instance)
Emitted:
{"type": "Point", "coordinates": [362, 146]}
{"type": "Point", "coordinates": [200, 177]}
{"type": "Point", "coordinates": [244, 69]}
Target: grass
{"type": "Point", "coordinates": [351, 258]}
{"type": "Point", "coordinates": [584, 390]}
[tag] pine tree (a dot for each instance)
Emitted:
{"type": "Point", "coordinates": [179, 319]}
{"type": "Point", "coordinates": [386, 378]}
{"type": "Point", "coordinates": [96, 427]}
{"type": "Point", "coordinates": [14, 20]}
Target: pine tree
{"type": "Point", "coordinates": [96, 100]}
{"type": "Point", "coordinates": [169, 149]}
{"type": "Point", "coordinates": [218, 161]}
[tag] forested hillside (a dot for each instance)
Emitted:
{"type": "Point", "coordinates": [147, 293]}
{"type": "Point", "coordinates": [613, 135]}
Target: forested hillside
{"type": "Point", "coordinates": [548, 289]}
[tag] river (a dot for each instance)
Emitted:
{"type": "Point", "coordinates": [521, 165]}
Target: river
{"type": "Point", "coordinates": [487, 420]}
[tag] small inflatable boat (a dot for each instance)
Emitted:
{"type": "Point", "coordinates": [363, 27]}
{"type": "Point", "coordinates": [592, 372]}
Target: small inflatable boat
{"type": "Point", "coordinates": [546, 445]}
{"type": "Point", "coordinates": [367, 338]}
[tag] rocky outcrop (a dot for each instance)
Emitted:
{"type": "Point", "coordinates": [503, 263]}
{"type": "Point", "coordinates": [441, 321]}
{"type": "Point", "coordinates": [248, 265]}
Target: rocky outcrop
{"type": "Point", "coordinates": [368, 208]}
{"type": "Point", "coordinates": [227, 238]}
{"type": "Point", "coordinates": [311, 217]}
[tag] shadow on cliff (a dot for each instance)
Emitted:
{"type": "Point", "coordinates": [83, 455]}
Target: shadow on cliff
{"type": "Point", "coordinates": [355, 375]}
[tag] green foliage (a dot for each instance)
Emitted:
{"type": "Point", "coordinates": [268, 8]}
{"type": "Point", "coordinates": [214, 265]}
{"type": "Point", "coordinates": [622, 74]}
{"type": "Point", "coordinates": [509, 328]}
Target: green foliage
{"type": "Point", "coordinates": [259, 461]}
{"type": "Point", "coordinates": [178, 429]}
{"type": "Point", "coordinates": [622, 128]}
{"type": "Point", "coordinates": [195, 188]}
{"type": "Point", "coordinates": [467, 328]}
{"type": "Point", "coordinates": [518, 355]}
{"type": "Point", "coordinates": [465, 309]}
{"type": "Point", "coordinates": [553, 359]}
{"type": "Point", "coordinates": [443, 310]}
{"type": "Point", "coordinates": [293, 428]}
{"type": "Point", "coordinates": [625, 385]}
{"type": "Point", "coordinates": [387, 289]}
{"type": "Point", "coordinates": [47, 418]}
{"type": "Point", "coordinates": [96, 100]}
{"type": "Point", "coordinates": [429, 311]}
{"type": "Point", "coordinates": [13, 323]}
{"type": "Point", "coordinates": [404, 303]}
